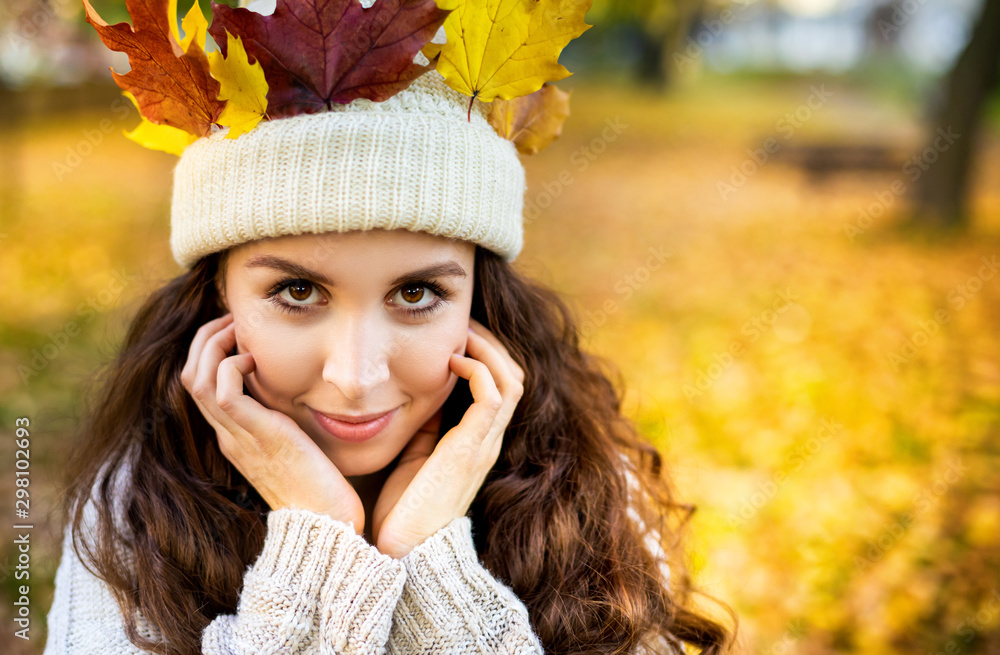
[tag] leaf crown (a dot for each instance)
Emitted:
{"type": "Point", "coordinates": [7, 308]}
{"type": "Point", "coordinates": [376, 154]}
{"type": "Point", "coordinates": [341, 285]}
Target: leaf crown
{"type": "Point", "coordinates": [309, 55]}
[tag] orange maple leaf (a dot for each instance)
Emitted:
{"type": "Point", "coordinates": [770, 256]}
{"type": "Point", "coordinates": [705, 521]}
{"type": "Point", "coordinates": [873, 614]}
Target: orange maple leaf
{"type": "Point", "coordinates": [171, 87]}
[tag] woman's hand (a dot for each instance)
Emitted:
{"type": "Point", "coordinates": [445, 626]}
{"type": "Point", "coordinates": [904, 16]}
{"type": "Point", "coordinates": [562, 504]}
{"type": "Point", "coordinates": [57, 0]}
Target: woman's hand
{"type": "Point", "coordinates": [271, 451]}
{"type": "Point", "coordinates": [435, 481]}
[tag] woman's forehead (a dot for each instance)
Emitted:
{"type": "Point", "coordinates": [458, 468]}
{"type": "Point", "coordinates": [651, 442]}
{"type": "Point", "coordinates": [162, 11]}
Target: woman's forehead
{"type": "Point", "coordinates": [334, 254]}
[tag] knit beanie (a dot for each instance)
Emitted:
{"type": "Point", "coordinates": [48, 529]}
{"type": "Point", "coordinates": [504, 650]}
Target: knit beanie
{"type": "Point", "coordinates": [412, 162]}
{"type": "Point", "coordinates": [426, 158]}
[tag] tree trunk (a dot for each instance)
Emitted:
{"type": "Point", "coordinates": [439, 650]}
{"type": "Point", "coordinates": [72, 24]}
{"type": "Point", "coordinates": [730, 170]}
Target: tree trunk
{"type": "Point", "coordinates": [651, 69]}
{"type": "Point", "coordinates": [941, 196]}
{"type": "Point", "coordinates": [660, 36]}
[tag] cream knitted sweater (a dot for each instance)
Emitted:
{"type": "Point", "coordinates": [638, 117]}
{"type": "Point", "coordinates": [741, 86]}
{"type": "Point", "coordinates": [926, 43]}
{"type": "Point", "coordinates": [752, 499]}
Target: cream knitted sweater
{"type": "Point", "coordinates": [319, 587]}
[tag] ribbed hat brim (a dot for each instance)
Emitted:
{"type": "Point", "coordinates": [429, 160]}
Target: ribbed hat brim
{"type": "Point", "coordinates": [413, 162]}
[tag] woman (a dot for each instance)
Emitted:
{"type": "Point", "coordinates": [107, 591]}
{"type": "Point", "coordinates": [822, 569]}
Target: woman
{"type": "Point", "coordinates": [351, 426]}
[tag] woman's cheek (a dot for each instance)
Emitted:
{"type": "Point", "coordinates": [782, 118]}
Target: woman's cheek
{"type": "Point", "coordinates": [427, 367]}
{"type": "Point", "coordinates": [278, 365]}
{"type": "Point", "coordinates": [242, 338]}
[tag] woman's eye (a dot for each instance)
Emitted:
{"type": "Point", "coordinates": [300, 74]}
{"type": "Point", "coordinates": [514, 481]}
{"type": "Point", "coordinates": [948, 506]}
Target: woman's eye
{"type": "Point", "coordinates": [412, 294]}
{"type": "Point", "coordinates": [299, 292]}
{"type": "Point", "coordinates": [421, 298]}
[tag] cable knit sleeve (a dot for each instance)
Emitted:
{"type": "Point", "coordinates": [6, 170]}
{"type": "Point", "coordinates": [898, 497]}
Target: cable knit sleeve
{"type": "Point", "coordinates": [452, 604]}
{"type": "Point", "coordinates": [317, 587]}
{"type": "Point", "coordinates": [316, 580]}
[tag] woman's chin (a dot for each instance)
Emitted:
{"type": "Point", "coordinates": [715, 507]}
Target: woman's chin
{"type": "Point", "coordinates": [354, 471]}
{"type": "Point", "coordinates": [359, 464]}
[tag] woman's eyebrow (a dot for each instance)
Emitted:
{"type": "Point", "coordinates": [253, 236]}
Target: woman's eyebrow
{"type": "Point", "coordinates": [449, 268]}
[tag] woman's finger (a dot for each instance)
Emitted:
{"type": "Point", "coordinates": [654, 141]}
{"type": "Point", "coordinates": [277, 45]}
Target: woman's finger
{"type": "Point", "coordinates": [500, 365]}
{"type": "Point", "coordinates": [206, 358]}
{"type": "Point", "coordinates": [201, 337]}
{"type": "Point", "coordinates": [214, 352]}
{"type": "Point", "coordinates": [190, 371]}
{"type": "Point", "coordinates": [246, 413]}
{"type": "Point", "coordinates": [479, 419]}
{"type": "Point", "coordinates": [489, 351]}
{"type": "Point", "coordinates": [483, 332]}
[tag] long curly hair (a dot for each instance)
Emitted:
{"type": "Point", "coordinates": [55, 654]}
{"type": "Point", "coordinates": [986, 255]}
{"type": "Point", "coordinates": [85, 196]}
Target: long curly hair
{"type": "Point", "coordinates": [174, 542]}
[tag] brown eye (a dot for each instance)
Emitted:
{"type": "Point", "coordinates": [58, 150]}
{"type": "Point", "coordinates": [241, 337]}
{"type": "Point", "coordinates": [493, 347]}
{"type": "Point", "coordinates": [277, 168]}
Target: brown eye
{"type": "Point", "coordinates": [300, 291]}
{"type": "Point", "coordinates": [417, 298]}
{"type": "Point", "coordinates": [412, 293]}
{"type": "Point", "coordinates": [293, 295]}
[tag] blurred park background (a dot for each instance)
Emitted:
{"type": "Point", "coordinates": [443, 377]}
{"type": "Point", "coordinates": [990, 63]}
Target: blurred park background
{"type": "Point", "coordinates": [780, 218]}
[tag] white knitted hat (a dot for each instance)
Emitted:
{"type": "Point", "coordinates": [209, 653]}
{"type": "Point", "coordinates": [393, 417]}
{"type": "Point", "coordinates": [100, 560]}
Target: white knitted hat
{"type": "Point", "coordinates": [413, 161]}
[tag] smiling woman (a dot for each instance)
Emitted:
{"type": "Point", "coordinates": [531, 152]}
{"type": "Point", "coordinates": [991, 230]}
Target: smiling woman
{"type": "Point", "coordinates": [350, 425]}
{"type": "Point", "coordinates": [184, 501]}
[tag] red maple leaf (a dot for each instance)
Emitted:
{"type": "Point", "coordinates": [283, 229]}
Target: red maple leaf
{"type": "Point", "coordinates": [171, 87]}
{"type": "Point", "coordinates": [319, 52]}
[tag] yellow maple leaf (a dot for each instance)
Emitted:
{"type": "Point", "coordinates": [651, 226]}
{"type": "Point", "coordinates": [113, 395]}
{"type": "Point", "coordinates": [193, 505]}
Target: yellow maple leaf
{"type": "Point", "coordinates": [508, 48]}
{"type": "Point", "coordinates": [158, 137]}
{"type": "Point", "coordinates": [243, 87]}
{"type": "Point", "coordinates": [194, 24]}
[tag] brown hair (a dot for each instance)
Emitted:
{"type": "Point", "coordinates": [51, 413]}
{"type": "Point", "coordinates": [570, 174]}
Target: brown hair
{"type": "Point", "coordinates": [188, 524]}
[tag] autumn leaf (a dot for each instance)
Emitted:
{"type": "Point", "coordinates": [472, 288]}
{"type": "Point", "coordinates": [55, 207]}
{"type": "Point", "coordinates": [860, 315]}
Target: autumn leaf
{"type": "Point", "coordinates": [243, 88]}
{"type": "Point", "coordinates": [508, 48]}
{"type": "Point", "coordinates": [316, 53]}
{"type": "Point", "coordinates": [194, 24]}
{"type": "Point", "coordinates": [159, 137]}
{"type": "Point", "coordinates": [533, 121]}
{"type": "Point", "coordinates": [172, 86]}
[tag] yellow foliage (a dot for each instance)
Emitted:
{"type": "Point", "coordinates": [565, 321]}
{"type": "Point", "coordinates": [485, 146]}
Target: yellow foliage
{"type": "Point", "coordinates": [508, 48]}
{"type": "Point", "coordinates": [243, 87]}
{"type": "Point", "coordinates": [165, 138]}
{"type": "Point", "coordinates": [194, 24]}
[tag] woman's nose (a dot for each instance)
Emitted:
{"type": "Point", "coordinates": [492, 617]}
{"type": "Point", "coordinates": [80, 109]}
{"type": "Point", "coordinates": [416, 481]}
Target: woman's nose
{"type": "Point", "coordinates": [357, 360]}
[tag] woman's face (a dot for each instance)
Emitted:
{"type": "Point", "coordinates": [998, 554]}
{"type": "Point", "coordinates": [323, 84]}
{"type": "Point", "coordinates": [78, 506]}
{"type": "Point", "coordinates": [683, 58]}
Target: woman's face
{"type": "Point", "coordinates": [353, 324]}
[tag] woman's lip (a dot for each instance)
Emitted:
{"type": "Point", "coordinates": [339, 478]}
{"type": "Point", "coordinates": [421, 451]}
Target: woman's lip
{"type": "Point", "coordinates": [353, 432]}
{"type": "Point", "coordinates": [344, 418]}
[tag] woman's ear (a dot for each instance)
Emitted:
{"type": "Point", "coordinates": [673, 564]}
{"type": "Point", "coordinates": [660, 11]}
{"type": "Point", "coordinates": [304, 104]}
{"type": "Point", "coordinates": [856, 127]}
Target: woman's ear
{"type": "Point", "coordinates": [220, 290]}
